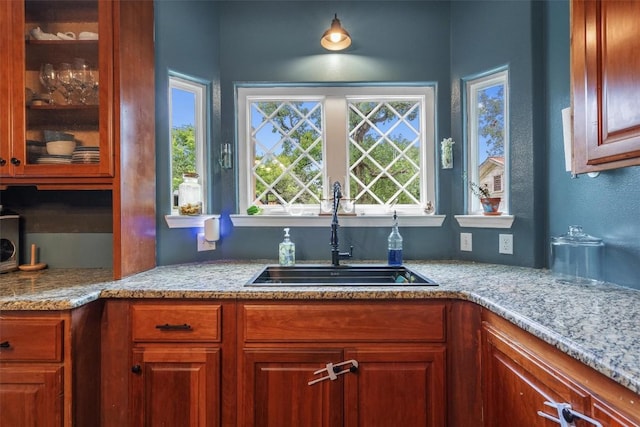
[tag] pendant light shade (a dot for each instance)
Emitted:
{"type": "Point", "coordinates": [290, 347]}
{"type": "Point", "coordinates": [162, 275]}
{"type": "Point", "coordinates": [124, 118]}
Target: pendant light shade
{"type": "Point", "coordinates": [336, 37]}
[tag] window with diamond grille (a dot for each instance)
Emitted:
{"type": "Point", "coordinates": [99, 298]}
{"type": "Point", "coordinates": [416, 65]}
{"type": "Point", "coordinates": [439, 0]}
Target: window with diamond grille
{"type": "Point", "coordinates": [384, 152]}
{"type": "Point", "coordinates": [287, 148]}
{"type": "Point", "coordinates": [378, 142]}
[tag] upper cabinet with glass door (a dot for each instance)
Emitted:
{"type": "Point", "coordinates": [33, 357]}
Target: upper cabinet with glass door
{"type": "Point", "coordinates": [61, 74]}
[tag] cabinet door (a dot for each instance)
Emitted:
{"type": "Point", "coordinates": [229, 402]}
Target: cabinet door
{"type": "Point", "coordinates": [516, 385]}
{"type": "Point", "coordinates": [396, 386]}
{"type": "Point", "coordinates": [5, 87]}
{"type": "Point", "coordinates": [274, 389]}
{"type": "Point", "coordinates": [176, 386]}
{"type": "Point", "coordinates": [31, 396]}
{"type": "Point", "coordinates": [76, 107]}
{"type": "Point", "coordinates": [606, 84]}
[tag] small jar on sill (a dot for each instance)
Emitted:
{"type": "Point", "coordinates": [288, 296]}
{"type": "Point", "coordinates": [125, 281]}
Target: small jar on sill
{"type": "Point", "coordinates": [189, 195]}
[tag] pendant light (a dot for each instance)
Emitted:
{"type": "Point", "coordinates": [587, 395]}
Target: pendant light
{"type": "Point", "coordinates": [336, 37]}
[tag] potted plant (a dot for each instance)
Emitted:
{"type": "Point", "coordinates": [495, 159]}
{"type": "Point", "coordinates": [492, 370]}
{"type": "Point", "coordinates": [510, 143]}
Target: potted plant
{"type": "Point", "coordinates": [490, 205]}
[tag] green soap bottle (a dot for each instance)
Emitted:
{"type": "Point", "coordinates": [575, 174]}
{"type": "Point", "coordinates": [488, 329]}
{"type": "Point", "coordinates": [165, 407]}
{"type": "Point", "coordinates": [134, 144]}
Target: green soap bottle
{"type": "Point", "coordinates": [287, 251]}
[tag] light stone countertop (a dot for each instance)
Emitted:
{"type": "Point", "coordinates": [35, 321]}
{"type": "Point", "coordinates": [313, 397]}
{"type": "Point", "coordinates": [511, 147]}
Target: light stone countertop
{"type": "Point", "coordinates": [597, 324]}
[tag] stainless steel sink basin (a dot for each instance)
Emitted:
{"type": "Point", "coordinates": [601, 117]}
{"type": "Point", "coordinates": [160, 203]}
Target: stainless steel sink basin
{"type": "Point", "coordinates": [345, 275]}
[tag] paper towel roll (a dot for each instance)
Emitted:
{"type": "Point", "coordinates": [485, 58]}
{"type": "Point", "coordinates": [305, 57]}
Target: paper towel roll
{"type": "Point", "coordinates": [567, 134]}
{"type": "Point", "coordinates": [212, 229]}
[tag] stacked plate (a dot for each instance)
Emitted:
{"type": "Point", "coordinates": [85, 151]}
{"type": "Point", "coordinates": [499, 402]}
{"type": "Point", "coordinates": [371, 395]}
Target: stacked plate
{"type": "Point", "coordinates": [86, 155]}
{"type": "Point", "coordinates": [53, 159]}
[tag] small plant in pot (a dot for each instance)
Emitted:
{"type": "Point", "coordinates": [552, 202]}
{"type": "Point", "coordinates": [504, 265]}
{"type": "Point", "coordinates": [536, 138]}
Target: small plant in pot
{"type": "Point", "coordinates": [490, 205]}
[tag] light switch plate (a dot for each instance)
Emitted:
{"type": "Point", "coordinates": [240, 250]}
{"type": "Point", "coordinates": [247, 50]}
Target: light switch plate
{"type": "Point", "coordinates": [466, 242]}
{"type": "Point", "coordinates": [505, 244]}
{"type": "Point", "coordinates": [205, 245]}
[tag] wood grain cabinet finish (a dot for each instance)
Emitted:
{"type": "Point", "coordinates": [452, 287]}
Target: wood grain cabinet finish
{"type": "Point", "coordinates": [400, 349]}
{"type": "Point", "coordinates": [50, 368]}
{"type": "Point", "coordinates": [120, 120]}
{"type": "Point", "coordinates": [520, 373]}
{"type": "Point", "coordinates": [176, 368]}
{"type": "Point", "coordinates": [605, 40]}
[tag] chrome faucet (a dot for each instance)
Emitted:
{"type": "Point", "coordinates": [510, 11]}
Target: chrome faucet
{"type": "Point", "coordinates": [336, 255]}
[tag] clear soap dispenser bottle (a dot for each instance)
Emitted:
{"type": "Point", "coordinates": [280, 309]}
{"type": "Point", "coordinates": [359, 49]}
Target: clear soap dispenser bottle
{"type": "Point", "coordinates": [287, 251]}
{"type": "Point", "coordinates": [395, 243]}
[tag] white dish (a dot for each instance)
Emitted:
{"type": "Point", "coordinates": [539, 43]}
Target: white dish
{"type": "Point", "coordinates": [61, 148]}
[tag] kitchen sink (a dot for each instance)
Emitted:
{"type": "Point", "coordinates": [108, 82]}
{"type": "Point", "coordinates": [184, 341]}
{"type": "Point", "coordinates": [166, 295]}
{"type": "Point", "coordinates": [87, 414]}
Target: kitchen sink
{"type": "Point", "coordinates": [343, 275]}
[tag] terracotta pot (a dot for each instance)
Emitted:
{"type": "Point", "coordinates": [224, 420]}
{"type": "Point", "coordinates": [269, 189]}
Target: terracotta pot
{"type": "Point", "coordinates": [490, 205]}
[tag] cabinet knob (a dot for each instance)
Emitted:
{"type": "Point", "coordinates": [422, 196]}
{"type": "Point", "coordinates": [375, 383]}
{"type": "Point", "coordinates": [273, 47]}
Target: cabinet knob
{"type": "Point", "coordinates": [15, 162]}
{"type": "Point", "coordinates": [2, 161]}
{"type": "Point", "coordinates": [136, 369]}
{"type": "Point", "coordinates": [5, 344]}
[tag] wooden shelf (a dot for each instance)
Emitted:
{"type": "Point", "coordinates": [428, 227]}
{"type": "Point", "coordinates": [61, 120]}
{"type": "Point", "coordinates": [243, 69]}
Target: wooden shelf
{"type": "Point", "coordinates": [62, 117]}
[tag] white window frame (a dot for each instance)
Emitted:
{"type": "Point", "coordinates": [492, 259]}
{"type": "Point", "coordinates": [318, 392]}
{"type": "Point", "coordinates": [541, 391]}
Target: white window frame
{"type": "Point", "coordinates": [335, 100]}
{"type": "Point", "coordinates": [473, 87]}
{"type": "Point", "coordinates": [199, 90]}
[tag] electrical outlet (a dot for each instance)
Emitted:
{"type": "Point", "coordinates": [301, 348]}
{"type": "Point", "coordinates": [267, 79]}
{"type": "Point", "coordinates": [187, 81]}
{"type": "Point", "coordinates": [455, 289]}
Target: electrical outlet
{"type": "Point", "coordinates": [205, 245]}
{"type": "Point", "coordinates": [505, 244]}
{"type": "Point", "coordinates": [465, 242]}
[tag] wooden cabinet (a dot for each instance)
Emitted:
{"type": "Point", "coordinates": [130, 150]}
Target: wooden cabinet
{"type": "Point", "coordinates": [113, 122]}
{"type": "Point", "coordinates": [176, 365]}
{"type": "Point", "coordinates": [178, 371]}
{"type": "Point", "coordinates": [605, 40]}
{"type": "Point", "coordinates": [520, 373]}
{"type": "Point", "coordinates": [399, 349]}
{"type": "Point", "coordinates": [78, 105]}
{"type": "Point", "coordinates": [49, 368]}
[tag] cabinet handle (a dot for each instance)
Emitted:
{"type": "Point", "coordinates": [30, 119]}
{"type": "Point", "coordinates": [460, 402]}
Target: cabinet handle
{"type": "Point", "coordinates": [15, 162]}
{"type": "Point", "coordinates": [2, 161]}
{"type": "Point", "coordinates": [168, 327]}
{"type": "Point", "coordinates": [5, 344]}
{"type": "Point", "coordinates": [136, 369]}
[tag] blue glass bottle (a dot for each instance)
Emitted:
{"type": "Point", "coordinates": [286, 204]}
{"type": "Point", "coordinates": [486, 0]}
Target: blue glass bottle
{"type": "Point", "coordinates": [395, 243]}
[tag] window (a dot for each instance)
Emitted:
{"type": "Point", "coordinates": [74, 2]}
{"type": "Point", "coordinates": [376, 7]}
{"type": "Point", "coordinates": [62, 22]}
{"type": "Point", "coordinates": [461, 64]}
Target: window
{"type": "Point", "coordinates": [487, 101]}
{"type": "Point", "coordinates": [187, 113]}
{"type": "Point", "coordinates": [295, 142]}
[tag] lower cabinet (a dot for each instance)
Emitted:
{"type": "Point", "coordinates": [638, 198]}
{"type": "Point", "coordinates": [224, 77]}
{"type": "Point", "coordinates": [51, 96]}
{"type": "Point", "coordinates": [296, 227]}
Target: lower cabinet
{"type": "Point", "coordinates": [526, 382]}
{"type": "Point", "coordinates": [176, 364]}
{"type": "Point", "coordinates": [325, 363]}
{"type": "Point", "coordinates": [377, 363]}
{"type": "Point", "coordinates": [175, 386]}
{"type": "Point", "coordinates": [50, 368]}
{"type": "Point", "coordinates": [31, 396]}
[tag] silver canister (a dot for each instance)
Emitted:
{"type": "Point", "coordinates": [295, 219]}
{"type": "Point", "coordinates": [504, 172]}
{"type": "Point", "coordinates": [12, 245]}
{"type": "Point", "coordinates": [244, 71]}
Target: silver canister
{"type": "Point", "coordinates": [576, 257]}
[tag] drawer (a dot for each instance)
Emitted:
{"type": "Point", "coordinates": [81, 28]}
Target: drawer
{"type": "Point", "coordinates": [371, 321]}
{"type": "Point", "coordinates": [31, 340]}
{"type": "Point", "coordinates": [176, 322]}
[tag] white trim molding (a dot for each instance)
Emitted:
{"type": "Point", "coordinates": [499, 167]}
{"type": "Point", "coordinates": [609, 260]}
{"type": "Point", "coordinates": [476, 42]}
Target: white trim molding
{"type": "Point", "coordinates": [482, 221]}
{"type": "Point", "coordinates": [345, 220]}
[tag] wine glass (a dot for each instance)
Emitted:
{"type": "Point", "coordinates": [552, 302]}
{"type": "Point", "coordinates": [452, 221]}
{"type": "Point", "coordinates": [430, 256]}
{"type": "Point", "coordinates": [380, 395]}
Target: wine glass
{"type": "Point", "coordinates": [48, 78]}
{"type": "Point", "coordinates": [65, 77]}
{"type": "Point", "coordinates": [83, 78]}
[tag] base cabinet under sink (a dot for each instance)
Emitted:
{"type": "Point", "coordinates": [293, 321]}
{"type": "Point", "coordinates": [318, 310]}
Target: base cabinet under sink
{"type": "Point", "coordinates": [389, 358]}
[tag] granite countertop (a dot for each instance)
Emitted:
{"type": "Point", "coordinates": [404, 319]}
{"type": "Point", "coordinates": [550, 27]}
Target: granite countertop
{"type": "Point", "coordinates": [594, 323]}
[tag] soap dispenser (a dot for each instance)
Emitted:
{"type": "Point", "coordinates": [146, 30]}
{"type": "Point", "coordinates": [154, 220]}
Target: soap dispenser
{"type": "Point", "coordinates": [287, 251]}
{"type": "Point", "coordinates": [395, 243]}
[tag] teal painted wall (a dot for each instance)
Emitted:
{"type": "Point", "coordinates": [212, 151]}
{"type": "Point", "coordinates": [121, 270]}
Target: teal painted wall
{"type": "Point", "coordinates": [486, 35]}
{"type": "Point", "coordinates": [607, 206]}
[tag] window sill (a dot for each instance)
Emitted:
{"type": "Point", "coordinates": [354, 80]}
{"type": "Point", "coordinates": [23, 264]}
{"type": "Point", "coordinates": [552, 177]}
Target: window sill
{"type": "Point", "coordinates": [482, 221]}
{"type": "Point", "coordinates": [345, 221]}
{"type": "Point", "coordinates": [187, 221]}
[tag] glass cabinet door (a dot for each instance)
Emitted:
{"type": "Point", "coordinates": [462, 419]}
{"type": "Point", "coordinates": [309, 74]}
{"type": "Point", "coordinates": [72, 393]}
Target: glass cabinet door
{"type": "Point", "coordinates": [61, 125]}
